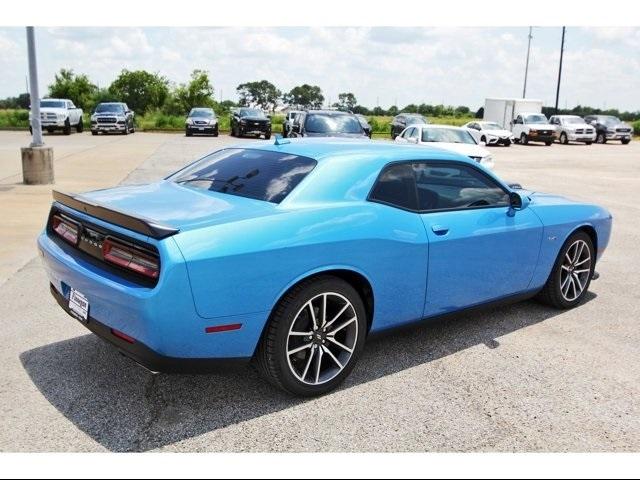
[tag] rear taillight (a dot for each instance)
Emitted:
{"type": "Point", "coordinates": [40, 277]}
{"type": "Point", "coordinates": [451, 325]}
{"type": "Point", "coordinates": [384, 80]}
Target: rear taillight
{"type": "Point", "coordinates": [68, 231]}
{"type": "Point", "coordinates": [130, 258]}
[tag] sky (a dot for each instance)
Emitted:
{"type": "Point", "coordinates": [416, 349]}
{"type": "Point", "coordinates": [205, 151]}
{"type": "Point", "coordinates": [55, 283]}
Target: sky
{"type": "Point", "coordinates": [381, 65]}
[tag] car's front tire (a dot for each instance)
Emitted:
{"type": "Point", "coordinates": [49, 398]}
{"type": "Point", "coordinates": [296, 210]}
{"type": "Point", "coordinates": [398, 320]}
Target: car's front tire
{"type": "Point", "coordinates": [601, 138]}
{"type": "Point", "coordinates": [80, 126]}
{"type": "Point", "coordinates": [314, 337]}
{"type": "Point", "coordinates": [524, 140]}
{"type": "Point", "coordinates": [564, 139]}
{"type": "Point", "coordinates": [625, 142]}
{"type": "Point", "coordinates": [67, 127]}
{"type": "Point", "coordinates": [572, 272]}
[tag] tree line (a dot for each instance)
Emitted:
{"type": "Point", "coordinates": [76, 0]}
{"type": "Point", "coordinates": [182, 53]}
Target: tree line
{"type": "Point", "coordinates": [145, 92]}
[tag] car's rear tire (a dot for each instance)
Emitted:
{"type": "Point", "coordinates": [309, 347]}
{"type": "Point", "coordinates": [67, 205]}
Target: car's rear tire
{"type": "Point", "coordinates": [571, 276]}
{"type": "Point", "coordinates": [307, 350]}
{"type": "Point", "coordinates": [524, 140]}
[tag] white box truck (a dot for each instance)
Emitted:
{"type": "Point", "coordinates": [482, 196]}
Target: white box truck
{"type": "Point", "coordinates": [504, 110]}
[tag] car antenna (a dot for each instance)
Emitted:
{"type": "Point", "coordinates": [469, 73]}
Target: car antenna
{"type": "Point", "coordinates": [280, 140]}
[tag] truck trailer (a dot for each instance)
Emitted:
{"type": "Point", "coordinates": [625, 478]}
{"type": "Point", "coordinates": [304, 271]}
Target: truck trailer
{"type": "Point", "coordinates": [504, 110]}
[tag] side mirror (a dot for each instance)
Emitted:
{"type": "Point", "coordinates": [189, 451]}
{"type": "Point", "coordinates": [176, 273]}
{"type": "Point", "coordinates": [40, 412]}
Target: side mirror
{"type": "Point", "coordinates": [295, 128]}
{"type": "Point", "coordinates": [517, 201]}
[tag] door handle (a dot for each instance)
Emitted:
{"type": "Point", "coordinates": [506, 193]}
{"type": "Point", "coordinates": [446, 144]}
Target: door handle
{"type": "Point", "coordinates": [440, 229]}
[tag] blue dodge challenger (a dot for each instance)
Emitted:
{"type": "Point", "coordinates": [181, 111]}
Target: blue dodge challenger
{"type": "Point", "coordinates": [291, 253]}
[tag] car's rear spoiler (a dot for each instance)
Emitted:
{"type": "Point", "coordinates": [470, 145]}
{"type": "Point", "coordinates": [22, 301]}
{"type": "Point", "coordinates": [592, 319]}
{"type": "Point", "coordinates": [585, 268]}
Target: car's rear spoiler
{"type": "Point", "coordinates": [141, 225]}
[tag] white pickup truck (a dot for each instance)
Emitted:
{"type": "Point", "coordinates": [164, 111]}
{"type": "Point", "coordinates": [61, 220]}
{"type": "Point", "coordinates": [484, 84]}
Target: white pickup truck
{"type": "Point", "coordinates": [59, 114]}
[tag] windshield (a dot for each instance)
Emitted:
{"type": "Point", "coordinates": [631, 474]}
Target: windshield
{"type": "Point", "coordinates": [251, 112]}
{"type": "Point", "coordinates": [109, 107]}
{"type": "Point", "coordinates": [572, 120]}
{"type": "Point", "coordinates": [415, 119]}
{"type": "Point", "coordinates": [536, 119]}
{"type": "Point", "coordinates": [447, 135]}
{"type": "Point", "coordinates": [332, 123]}
{"type": "Point", "coordinates": [257, 174]}
{"type": "Point", "coordinates": [201, 112]}
{"type": "Point", "coordinates": [52, 104]}
{"type": "Point", "coordinates": [609, 121]}
{"type": "Point", "coordinates": [492, 126]}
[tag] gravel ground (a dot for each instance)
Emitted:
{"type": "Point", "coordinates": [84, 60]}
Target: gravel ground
{"type": "Point", "coordinates": [517, 378]}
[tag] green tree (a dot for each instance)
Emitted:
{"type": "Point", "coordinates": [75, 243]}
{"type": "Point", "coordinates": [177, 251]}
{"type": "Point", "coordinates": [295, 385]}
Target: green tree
{"type": "Point", "coordinates": [76, 88]}
{"type": "Point", "coordinates": [346, 101]}
{"type": "Point", "coordinates": [140, 90]}
{"type": "Point", "coordinates": [305, 96]}
{"type": "Point", "coordinates": [263, 94]}
{"type": "Point", "coordinates": [197, 93]}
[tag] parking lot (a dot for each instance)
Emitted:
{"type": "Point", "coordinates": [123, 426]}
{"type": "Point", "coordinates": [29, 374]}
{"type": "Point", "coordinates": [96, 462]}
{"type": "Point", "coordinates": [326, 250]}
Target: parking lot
{"type": "Point", "coordinates": [517, 378]}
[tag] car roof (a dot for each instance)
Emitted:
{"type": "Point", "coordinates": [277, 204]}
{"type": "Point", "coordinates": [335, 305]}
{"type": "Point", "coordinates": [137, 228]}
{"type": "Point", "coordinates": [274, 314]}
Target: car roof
{"type": "Point", "coordinates": [379, 152]}
{"type": "Point", "coordinates": [430, 125]}
{"type": "Point", "coordinates": [330, 112]}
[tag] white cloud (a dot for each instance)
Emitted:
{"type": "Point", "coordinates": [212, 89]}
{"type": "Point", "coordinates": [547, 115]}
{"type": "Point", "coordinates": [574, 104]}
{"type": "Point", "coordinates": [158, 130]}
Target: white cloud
{"type": "Point", "coordinates": [457, 66]}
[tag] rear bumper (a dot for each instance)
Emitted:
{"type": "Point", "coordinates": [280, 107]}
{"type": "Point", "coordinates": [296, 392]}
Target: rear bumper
{"type": "Point", "coordinates": [162, 318]}
{"type": "Point", "coordinates": [145, 356]}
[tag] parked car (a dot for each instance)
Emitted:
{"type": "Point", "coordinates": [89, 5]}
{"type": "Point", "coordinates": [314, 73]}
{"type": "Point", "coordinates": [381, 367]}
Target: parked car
{"type": "Point", "coordinates": [250, 121]}
{"type": "Point", "coordinates": [289, 119]}
{"type": "Point", "coordinates": [292, 254]}
{"type": "Point", "coordinates": [609, 127]}
{"type": "Point", "coordinates": [403, 120]}
{"type": "Point", "coordinates": [571, 128]}
{"type": "Point", "coordinates": [532, 127]}
{"type": "Point", "coordinates": [112, 117]}
{"type": "Point", "coordinates": [59, 114]}
{"type": "Point", "coordinates": [490, 133]}
{"type": "Point", "coordinates": [201, 120]}
{"type": "Point", "coordinates": [327, 123]}
{"type": "Point", "coordinates": [364, 123]}
{"type": "Point", "coordinates": [455, 139]}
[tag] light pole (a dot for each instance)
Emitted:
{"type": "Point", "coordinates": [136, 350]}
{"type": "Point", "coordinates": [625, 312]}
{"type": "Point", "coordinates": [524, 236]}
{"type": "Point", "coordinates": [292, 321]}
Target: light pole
{"type": "Point", "coordinates": [526, 68]}
{"type": "Point", "coordinates": [560, 70]}
{"type": "Point", "coordinates": [37, 159]}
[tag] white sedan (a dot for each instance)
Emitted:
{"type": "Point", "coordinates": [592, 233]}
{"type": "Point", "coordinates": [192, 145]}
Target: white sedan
{"type": "Point", "coordinates": [490, 133]}
{"type": "Point", "coordinates": [455, 139]}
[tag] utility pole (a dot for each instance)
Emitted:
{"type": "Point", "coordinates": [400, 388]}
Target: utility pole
{"type": "Point", "coordinates": [37, 159]}
{"type": "Point", "coordinates": [526, 68]}
{"type": "Point", "coordinates": [560, 69]}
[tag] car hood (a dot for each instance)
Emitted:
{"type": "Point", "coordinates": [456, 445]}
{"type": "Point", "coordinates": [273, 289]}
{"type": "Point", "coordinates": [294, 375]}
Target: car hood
{"type": "Point", "coordinates": [255, 119]}
{"type": "Point", "coordinates": [335, 134]}
{"type": "Point", "coordinates": [575, 126]}
{"type": "Point", "coordinates": [465, 149]}
{"type": "Point", "coordinates": [53, 110]}
{"type": "Point", "coordinates": [212, 120]}
{"type": "Point", "coordinates": [498, 133]}
{"type": "Point", "coordinates": [179, 206]}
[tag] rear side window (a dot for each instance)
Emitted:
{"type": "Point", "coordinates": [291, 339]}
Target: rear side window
{"type": "Point", "coordinates": [258, 174]}
{"type": "Point", "coordinates": [396, 187]}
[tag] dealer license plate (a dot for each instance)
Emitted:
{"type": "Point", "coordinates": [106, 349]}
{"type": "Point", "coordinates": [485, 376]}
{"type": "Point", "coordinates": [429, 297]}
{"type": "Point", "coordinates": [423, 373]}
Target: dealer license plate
{"type": "Point", "coordinates": [79, 305]}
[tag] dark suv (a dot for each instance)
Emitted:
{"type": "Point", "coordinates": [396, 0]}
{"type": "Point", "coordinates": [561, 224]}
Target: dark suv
{"type": "Point", "coordinates": [327, 123]}
{"type": "Point", "coordinates": [250, 121]}
{"type": "Point", "coordinates": [403, 120]}
{"type": "Point", "coordinates": [610, 128]}
{"type": "Point", "coordinates": [109, 117]}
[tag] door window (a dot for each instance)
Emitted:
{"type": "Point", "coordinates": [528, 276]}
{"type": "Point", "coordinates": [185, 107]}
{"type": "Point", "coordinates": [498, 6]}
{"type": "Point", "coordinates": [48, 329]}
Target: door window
{"type": "Point", "coordinates": [396, 187]}
{"type": "Point", "coordinates": [456, 186]}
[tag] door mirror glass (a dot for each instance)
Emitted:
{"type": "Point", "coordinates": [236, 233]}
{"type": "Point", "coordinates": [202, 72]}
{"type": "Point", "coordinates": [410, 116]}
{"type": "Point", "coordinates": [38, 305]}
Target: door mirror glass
{"type": "Point", "coordinates": [518, 201]}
